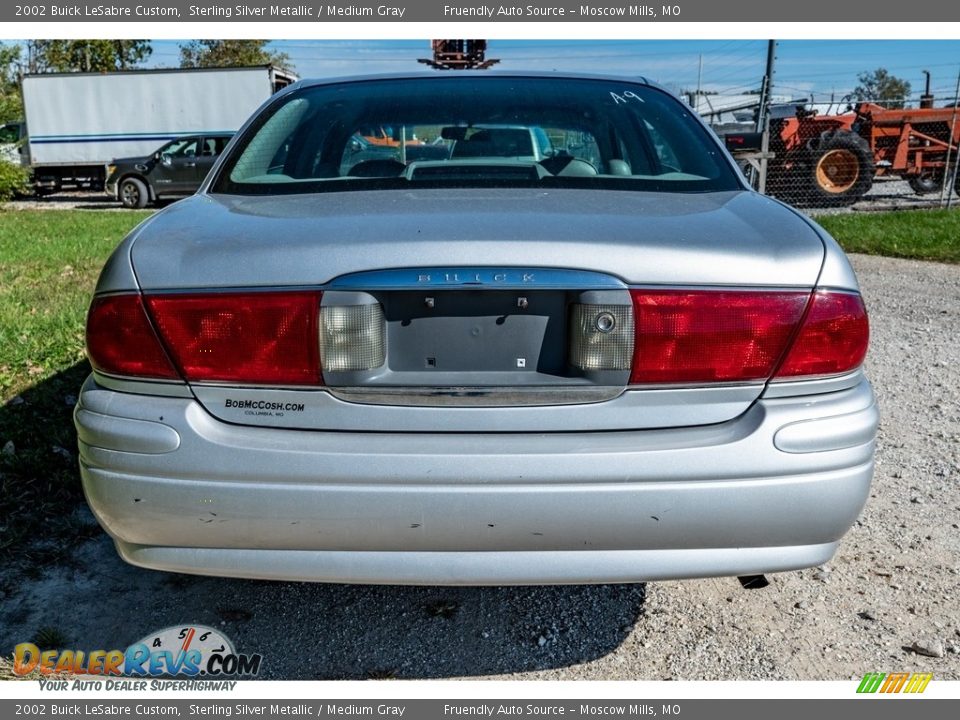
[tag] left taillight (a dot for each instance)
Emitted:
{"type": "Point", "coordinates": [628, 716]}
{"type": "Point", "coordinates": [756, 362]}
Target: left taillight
{"type": "Point", "coordinates": [267, 338]}
{"type": "Point", "coordinates": [121, 340]}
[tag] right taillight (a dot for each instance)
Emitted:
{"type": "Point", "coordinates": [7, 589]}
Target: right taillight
{"type": "Point", "coordinates": [730, 336]}
{"type": "Point", "coordinates": [832, 340]}
{"type": "Point", "coordinates": [711, 336]}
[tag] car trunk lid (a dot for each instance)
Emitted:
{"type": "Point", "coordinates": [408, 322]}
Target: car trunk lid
{"type": "Point", "coordinates": [478, 295]}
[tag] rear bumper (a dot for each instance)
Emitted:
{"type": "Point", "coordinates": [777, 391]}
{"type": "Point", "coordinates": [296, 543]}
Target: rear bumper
{"type": "Point", "coordinates": [556, 567]}
{"type": "Point", "coordinates": [772, 490]}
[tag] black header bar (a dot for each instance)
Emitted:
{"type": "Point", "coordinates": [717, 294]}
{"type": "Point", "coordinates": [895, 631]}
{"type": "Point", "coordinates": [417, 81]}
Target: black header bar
{"type": "Point", "coordinates": [397, 11]}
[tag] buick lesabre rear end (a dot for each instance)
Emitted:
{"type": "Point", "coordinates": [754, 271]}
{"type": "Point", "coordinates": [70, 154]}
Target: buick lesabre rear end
{"type": "Point", "coordinates": [585, 351]}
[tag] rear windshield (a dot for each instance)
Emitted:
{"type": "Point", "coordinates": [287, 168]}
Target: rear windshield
{"type": "Point", "coordinates": [475, 132]}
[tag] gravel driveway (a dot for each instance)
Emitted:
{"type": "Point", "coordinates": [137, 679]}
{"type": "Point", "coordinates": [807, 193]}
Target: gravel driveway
{"type": "Point", "coordinates": [887, 602]}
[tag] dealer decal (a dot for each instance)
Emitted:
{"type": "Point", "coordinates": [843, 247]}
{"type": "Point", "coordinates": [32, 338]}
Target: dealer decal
{"type": "Point", "coordinates": [263, 407]}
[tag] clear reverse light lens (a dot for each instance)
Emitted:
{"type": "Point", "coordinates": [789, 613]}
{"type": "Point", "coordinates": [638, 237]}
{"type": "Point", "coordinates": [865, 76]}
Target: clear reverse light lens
{"type": "Point", "coordinates": [601, 337]}
{"type": "Point", "coordinates": [352, 337]}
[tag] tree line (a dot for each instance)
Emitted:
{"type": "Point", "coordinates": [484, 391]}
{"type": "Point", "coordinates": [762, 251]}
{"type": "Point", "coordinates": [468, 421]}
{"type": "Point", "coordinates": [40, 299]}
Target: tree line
{"type": "Point", "coordinates": [38, 56]}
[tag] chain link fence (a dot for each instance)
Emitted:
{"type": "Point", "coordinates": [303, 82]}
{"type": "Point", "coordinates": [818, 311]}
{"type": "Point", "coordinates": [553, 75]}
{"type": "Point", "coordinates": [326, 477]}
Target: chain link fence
{"type": "Point", "coordinates": [869, 158]}
{"type": "Point", "coordinates": [863, 155]}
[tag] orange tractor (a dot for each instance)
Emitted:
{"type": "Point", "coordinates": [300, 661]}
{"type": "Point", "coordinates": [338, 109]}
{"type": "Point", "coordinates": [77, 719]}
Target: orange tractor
{"type": "Point", "coordinates": [833, 159]}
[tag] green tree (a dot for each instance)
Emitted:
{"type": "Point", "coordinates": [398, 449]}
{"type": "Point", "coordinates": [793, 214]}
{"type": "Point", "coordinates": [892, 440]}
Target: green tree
{"type": "Point", "coordinates": [230, 53]}
{"type": "Point", "coordinates": [11, 108]}
{"type": "Point", "coordinates": [92, 55]}
{"type": "Point", "coordinates": [882, 88]}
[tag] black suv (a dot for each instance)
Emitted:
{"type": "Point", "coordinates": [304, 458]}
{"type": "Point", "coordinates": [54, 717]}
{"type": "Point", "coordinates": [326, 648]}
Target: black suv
{"type": "Point", "coordinates": [174, 170]}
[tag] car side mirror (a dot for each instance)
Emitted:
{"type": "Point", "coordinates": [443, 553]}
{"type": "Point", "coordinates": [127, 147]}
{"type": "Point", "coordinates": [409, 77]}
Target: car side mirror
{"type": "Point", "coordinates": [355, 146]}
{"type": "Point", "coordinates": [166, 160]}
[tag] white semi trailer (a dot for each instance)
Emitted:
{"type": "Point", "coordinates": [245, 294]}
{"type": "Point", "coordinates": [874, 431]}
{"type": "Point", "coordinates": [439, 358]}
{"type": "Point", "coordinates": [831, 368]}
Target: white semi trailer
{"type": "Point", "coordinates": [77, 122]}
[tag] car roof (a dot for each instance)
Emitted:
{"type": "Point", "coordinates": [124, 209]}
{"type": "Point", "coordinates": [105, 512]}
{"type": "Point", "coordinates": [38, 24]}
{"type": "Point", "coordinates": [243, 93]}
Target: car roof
{"type": "Point", "coordinates": [473, 74]}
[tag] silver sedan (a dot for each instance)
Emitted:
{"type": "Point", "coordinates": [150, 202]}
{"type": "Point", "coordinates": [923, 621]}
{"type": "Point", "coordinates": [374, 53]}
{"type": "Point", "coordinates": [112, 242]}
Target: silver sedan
{"type": "Point", "coordinates": [546, 333]}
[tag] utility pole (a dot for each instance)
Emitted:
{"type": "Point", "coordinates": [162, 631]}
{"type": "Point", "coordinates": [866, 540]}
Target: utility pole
{"type": "Point", "coordinates": [763, 117]}
{"type": "Point", "coordinates": [696, 102]}
{"type": "Point", "coordinates": [950, 178]}
{"type": "Point", "coordinates": [765, 90]}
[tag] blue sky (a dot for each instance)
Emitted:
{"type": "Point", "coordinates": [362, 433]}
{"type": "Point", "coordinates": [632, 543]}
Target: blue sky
{"type": "Point", "coordinates": [821, 67]}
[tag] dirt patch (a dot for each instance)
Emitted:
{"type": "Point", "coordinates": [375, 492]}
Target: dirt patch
{"type": "Point", "coordinates": [67, 201]}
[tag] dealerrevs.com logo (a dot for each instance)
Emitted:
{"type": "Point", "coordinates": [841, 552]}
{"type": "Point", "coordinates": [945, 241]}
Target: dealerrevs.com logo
{"type": "Point", "coordinates": [191, 651]}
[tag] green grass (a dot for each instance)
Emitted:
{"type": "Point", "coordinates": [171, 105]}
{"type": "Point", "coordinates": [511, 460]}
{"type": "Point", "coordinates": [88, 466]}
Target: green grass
{"type": "Point", "coordinates": [915, 234]}
{"type": "Point", "coordinates": [49, 263]}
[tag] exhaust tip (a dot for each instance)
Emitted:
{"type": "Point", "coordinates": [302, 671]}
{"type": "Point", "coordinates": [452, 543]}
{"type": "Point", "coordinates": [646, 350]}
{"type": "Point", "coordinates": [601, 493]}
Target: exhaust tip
{"type": "Point", "coordinates": [753, 582]}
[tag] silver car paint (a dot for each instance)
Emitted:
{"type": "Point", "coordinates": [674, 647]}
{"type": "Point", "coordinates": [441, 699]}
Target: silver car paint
{"type": "Point", "coordinates": [191, 481]}
{"type": "Point", "coordinates": [220, 241]}
{"type": "Point", "coordinates": [523, 567]}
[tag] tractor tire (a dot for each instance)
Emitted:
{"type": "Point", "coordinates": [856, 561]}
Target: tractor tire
{"type": "Point", "coordinates": [133, 193]}
{"type": "Point", "coordinates": [926, 183]}
{"type": "Point", "coordinates": [841, 169]}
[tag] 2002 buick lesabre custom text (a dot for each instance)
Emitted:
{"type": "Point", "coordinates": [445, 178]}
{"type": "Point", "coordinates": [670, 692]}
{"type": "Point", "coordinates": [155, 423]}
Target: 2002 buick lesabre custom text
{"type": "Point", "coordinates": [547, 334]}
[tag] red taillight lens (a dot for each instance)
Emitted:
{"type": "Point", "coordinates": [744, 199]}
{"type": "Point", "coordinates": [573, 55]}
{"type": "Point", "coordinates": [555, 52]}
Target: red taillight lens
{"type": "Point", "coordinates": [711, 336]}
{"type": "Point", "coordinates": [265, 338]}
{"type": "Point", "coordinates": [833, 338]}
{"type": "Point", "coordinates": [121, 341]}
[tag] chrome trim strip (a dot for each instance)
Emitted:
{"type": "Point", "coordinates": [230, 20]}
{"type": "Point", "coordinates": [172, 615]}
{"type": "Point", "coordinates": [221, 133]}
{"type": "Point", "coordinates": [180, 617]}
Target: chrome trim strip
{"type": "Point", "coordinates": [142, 386]}
{"type": "Point", "coordinates": [705, 385]}
{"type": "Point", "coordinates": [547, 395]}
{"type": "Point", "coordinates": [812, 386]}
{"type": "Point", "coordinates": [507, 278]}
{"type": "Point", "coordinates": [588, 281]}
{"type": "Point", "coordinates": [476, 396]}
